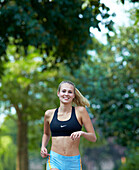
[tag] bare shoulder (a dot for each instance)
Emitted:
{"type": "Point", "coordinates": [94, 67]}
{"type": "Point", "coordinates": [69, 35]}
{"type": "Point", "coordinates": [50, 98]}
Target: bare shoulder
{"type": "Point", "coordinates": [82, 114]}
{"type": "Point", "coordinates": [49, 114]}
{"type": "Point", "coordinates": [81, 109]}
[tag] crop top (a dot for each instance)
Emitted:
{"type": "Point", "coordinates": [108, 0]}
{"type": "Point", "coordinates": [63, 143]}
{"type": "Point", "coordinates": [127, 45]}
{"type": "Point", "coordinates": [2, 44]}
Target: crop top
{"type": "Point", "coordinates": [64, 128]}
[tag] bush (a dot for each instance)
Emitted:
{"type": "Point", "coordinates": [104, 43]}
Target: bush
{"type": "Point", "coordinates": [132, 162]}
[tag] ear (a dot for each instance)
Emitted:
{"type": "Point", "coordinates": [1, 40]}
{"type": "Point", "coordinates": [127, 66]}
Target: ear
{"type": "Point", "coordinates": [58, 93]}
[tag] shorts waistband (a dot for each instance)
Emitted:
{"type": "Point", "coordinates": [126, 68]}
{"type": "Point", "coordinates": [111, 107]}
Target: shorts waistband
{"type": "Point", "coordinates": [52, 153]}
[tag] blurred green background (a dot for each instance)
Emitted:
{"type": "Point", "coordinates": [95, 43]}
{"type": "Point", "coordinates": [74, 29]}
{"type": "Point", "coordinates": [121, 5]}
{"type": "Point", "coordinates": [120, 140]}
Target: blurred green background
{"type": "Point", "coordinates": [43, 42]}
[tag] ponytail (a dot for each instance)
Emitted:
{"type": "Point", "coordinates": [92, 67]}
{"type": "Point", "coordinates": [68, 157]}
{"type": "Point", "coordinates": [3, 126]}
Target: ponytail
{"type": "Point", "coordinates": [79, 99]}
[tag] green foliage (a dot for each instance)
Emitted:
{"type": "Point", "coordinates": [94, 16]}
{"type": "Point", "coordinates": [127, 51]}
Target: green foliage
{"type": "Point", "coordinates": [109, 80]}
{"type": "Point", "coordinates": [29, 92]}
{"type": "Point", "coordinates": [8, 149]}
{"type": "Point", "coordinates": [25, 89]}
{"type": "Point", "coordinates": [110, 84]}
{"type": "Point", "coordinates": [7, 154]}
{"type": "Point", "coordinates": [55, 27]}
{"type": "Point", "coordinates": [132, 162]}
{"type": "Point", "coordinates": [23, 84]}
{"type": "Point", "coordinates": [9, 128]}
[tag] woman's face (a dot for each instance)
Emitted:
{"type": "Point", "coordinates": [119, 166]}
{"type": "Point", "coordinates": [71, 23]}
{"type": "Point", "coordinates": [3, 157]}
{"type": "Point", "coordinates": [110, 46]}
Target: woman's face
{"type": "Point", "coordinates": [66, 93]}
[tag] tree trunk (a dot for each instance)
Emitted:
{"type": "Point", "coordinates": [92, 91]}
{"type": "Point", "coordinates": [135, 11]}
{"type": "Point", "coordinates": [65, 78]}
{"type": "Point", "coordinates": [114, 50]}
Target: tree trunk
{"type": "Point", "coordinates": [22, 144]}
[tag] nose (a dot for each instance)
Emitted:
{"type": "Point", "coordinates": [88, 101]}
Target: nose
{"type": "Point", "coordinates": [66, 93]}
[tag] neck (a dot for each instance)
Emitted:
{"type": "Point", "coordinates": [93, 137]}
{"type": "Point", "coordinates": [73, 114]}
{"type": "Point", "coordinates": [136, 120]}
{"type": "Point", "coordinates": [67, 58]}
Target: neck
{"type": "Point", "coordinates": [65, 108]}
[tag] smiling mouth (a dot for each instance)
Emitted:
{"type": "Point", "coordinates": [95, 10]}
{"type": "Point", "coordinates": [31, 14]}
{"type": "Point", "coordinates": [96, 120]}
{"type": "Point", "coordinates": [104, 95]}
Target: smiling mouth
{"type": "Point", "coordinates": [66, 98]}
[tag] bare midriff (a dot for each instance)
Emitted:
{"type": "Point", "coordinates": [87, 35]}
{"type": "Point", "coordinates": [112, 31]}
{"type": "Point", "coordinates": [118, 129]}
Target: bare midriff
{"type": "Point", "coordinates": [64, 145]}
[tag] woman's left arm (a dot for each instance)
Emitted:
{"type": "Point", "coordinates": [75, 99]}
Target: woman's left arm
{"type": "Point", "coordinates": [90, 134]}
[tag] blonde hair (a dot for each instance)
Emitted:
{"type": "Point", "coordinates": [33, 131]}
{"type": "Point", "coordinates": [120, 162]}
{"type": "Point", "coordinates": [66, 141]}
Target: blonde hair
{"type": "Point", "coordinates": [79, 99]}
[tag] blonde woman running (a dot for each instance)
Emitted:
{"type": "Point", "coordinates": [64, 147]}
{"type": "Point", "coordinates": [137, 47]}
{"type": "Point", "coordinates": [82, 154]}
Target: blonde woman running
{"type": "Point", "coordinates": [65, 124]}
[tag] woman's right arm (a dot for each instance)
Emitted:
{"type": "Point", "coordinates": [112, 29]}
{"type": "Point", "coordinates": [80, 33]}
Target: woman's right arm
{"type": "Point", "coordinates": [46, 134]}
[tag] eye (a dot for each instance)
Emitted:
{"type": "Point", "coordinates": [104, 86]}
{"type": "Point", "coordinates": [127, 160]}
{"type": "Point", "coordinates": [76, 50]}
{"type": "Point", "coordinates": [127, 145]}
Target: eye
{"type": "Point", "coordinates": [70, 91]}
{"type": "Point", "coordinates": [63, 91]}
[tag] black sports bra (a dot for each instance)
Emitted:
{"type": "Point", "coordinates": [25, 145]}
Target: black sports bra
{"type": "Point", "coordinates": [64, 128]}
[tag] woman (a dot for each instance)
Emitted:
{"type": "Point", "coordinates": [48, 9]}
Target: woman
{"type": "Point", "coordinates": [65, 123]}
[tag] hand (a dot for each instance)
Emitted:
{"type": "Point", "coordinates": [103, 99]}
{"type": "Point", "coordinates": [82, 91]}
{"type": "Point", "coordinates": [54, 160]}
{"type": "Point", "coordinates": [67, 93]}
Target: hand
{"type": "Point", "coordinates": [44, 152]}
{"type": "Point", "coordinates": [76, 135]}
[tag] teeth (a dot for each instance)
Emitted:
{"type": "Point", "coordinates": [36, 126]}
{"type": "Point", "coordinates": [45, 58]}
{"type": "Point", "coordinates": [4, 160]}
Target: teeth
{"type": "Point", "coordinates": [66, 98]}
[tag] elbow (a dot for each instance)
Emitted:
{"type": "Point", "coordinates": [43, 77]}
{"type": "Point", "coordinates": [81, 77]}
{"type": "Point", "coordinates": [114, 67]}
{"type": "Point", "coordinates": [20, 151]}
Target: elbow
{"type": "Point", "coordinates": [46, 135]}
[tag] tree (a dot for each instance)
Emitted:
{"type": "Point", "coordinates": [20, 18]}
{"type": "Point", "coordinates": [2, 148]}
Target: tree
{"type": "Point", "coordinates": [60, 28]}
{"type": "Point", "coordinates": [25, 89]}
{"type": "Point", "coordinates": [110, 81]}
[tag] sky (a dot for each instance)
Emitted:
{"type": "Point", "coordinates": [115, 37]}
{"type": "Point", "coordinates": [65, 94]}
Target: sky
{"type": "Point", "coordinates": [120, 11]}
{"type": "Point", "coordinates": [121, 19]}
